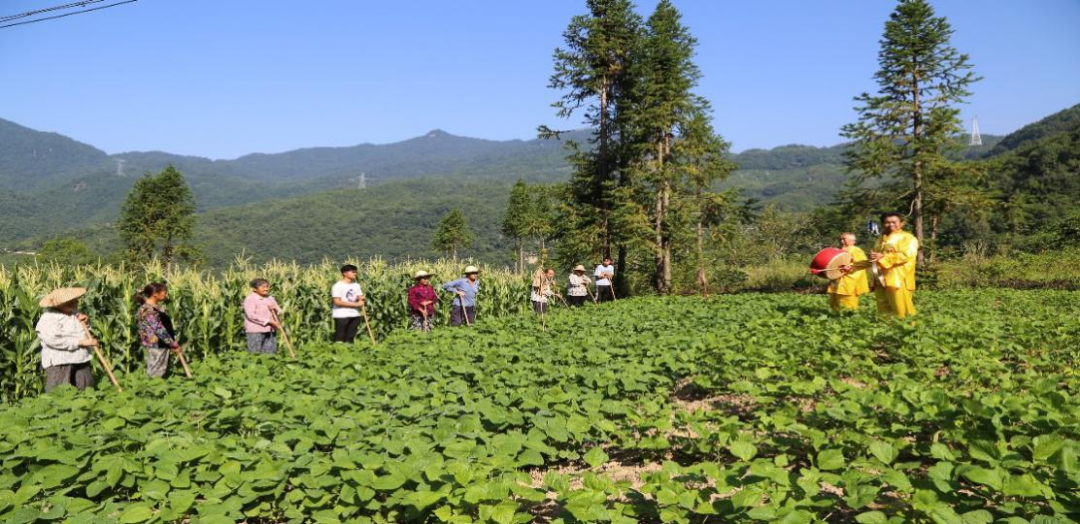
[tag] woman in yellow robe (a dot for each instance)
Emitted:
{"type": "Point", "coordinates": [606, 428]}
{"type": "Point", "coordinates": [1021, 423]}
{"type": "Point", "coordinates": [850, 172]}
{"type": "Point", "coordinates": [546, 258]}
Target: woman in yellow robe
{"type": "Point", "coordinates": [844, 292]}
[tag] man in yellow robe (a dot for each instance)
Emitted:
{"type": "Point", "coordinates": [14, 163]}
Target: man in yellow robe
{"type": "Point", "coordinates": [844, 292]}
{"type": "Point", "coordinates": [893, 263]}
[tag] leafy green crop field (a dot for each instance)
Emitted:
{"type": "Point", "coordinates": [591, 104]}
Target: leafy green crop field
{"type": "Point", "coordinates": [735, 408]}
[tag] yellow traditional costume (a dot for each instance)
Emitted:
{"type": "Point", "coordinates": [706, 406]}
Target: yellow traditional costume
{"type": "Point", "coordinates": [844, 292]}
{"type": "Point", "coordinates": [895, 272]}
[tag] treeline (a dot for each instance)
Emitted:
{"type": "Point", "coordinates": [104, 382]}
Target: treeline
{"type": "Point", "coordinates": [647, 186]}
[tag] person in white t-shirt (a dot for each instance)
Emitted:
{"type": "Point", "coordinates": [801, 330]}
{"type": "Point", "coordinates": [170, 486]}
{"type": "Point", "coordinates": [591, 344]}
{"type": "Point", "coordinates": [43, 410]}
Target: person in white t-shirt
{"type": "Point", "coordinates": [605, 275]}
{"type": "Point", "coordinates": [348, 298]}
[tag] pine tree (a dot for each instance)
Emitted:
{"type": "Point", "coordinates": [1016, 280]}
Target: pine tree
{"type": "Point", "coordinates": [702, 158]}
{"type": "Point", "coordinates": [158, 211]}
{"type": "Point", "coordinates": [514, 221]}
{"type": "Point", "coordinates": [662, 100]}
{"type": "Point", "coordinates": [453, 233]}
{"type": "Point", "coordinates": [905, 132]}
{"type": "Point", "coordinates": [591, 70]}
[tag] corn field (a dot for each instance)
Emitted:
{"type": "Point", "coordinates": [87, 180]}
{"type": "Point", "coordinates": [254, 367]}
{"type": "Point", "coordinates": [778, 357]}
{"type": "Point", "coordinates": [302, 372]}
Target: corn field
{"type": "Point", "coordinates": [206, 307]}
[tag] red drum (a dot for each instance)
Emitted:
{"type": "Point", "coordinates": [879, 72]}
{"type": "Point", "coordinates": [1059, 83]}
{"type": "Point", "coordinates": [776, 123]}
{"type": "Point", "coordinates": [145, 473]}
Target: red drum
{"type": "Point", "coordinates": [828, 261]}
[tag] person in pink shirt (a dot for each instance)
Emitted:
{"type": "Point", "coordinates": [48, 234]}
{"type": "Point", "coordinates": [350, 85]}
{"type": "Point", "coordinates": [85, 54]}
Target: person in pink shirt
{"type": "Point", "coordinates": [422, 299]}
{"type": "Point", "coordinates": [261, 313]}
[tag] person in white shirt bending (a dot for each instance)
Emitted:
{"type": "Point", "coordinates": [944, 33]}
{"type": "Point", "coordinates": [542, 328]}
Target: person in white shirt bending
{"type": "Point", "coordinates": [65, 343]}
{"type": "Point", "coordinates": [348, 299]}
{"type": "Point", "coordinates": [605, 276]}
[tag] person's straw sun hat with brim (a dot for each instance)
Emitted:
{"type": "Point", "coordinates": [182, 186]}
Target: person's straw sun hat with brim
{"type": "Point", "coordinates": [471, 269]}
{"type": "Point", "coordinates": [421, 274]}
{"type": "Point", "coordinates": [62, 296]}
{"type": "Point", "coordinates": [579, 267]}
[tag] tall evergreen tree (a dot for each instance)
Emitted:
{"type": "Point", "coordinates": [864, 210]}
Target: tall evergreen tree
{"type": "Point", "coordinates": [591, 71]}
{"type": "Point", "coordinates": [540, 217]}
{"type": "Point", "coordinates": [662, 100]}
{"type": "Point", "coordinates": [159, 212]}
{"type": "Point", "coordinates": [905, 132]}
{"type": "Point", "coordinates": [453, 233]}
{"type": "Point", "coordinates": [702, 157]}
{"type": "Point", "coordinates": [515, 220]}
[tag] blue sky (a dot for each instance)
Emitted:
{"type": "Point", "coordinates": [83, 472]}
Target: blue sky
{"type": "Point", "coordinates": [225, 78]}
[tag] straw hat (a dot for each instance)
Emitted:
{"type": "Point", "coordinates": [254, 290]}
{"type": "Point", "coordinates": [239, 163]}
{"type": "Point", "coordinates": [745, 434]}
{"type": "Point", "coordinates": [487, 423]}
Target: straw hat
{"type": "Point", "coordinates": [471, 269]}
{"type": "Point", "coordinates": [579, 267]}
{"type": "Point", "coordinates": [62, 296]}
{"type": "Point", "coordinates": [421, 274]}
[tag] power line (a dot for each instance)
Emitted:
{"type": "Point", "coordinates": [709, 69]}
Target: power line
{"type": "Point", "coordinates": [48, 10]}
{"type": "Point", "coordinates": [54, 17]}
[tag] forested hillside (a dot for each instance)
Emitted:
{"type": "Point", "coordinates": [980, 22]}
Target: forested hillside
{"type": "Point", "coordinates": [1056, 123]}
{"type": "Point", "coordinates": [72, 189]}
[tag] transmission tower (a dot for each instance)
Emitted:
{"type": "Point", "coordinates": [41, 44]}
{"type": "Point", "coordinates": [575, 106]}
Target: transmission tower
{"type": "Point", "coordinates": [361, 181]}
{"type": "Point", "coordinates": [976, 138]}
{"type": "Point", "coordinates": [120, 167]}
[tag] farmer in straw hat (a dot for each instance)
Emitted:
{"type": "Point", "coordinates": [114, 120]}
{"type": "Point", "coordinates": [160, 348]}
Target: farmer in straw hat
{"type": "Point", "coordinates": [893, 262]}
{"type": "Point", "coordinates": [463, 308]}
{"type": "Point", "coordinates": [844, 292]}
{"type": "Point", "coordinates": [543, 289]}
{"type": "Point", "coordinates": [65, 343]}
{"type": "Point", "coordinates": [578, 290]}
{"type": "Point", "coordinates": [422, 299]}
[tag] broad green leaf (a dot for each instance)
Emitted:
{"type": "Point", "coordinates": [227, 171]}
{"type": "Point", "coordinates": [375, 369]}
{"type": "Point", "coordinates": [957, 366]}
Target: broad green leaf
{"type": "Point", "coordinates": [136, 513]}
{"type": "Point", "coordinates": [596, 457]}
{"type": "Point", "coordinates": [743, 449]}
{"type": "Point", "coordinates": [830, 459]}
{"type": "Point", "coordinates": [987, 477]}
{"type": "Point", "coordinates": [871, 517]}
{"type": "Point", "coordinates": [883, 451]}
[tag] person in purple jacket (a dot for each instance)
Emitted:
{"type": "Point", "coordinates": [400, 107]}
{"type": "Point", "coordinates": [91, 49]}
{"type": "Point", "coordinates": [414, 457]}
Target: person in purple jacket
{"type": "Point", "coordinates": [261, 318]}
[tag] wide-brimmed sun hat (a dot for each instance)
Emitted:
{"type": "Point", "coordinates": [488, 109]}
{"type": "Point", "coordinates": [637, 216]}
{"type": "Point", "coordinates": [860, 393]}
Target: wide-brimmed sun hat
{"type": "Point", "coordinates": [421, 274]}
{"type": "Point", "coordinates": [471, 269]}
{"type": "Point", "coordinates": [579, 267]}
{"type": "Point", "coordinates": [62, 296]}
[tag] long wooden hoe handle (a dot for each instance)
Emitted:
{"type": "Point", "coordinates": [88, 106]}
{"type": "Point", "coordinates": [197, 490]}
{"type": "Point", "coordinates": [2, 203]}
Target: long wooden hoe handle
{"type": "Point", "coordinates": [101, 358]}
{"type": "Point", "coordinates": [363, 311]}
{"type": "Point", "coordinates": [464, 312]}
{"type": "Point", "coordinates": [284, 336]}
{"type": "Point", "coordinates": [183, 361]}
{"type": "Point", "coordinates": [563, 300]}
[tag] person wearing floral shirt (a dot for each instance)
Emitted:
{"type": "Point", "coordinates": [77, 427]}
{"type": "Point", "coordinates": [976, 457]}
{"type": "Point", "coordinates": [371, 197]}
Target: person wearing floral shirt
{"type": "Point", "coordinates": [155, 329]}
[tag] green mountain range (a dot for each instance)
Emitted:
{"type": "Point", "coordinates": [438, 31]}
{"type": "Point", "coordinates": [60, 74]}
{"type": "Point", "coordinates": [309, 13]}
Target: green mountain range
{"type": "Point", "coordinates": [304, 205]}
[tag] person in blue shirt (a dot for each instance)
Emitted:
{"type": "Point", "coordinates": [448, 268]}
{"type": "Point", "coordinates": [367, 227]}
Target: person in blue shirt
{"type": "Point", "coordinates": [464, 305]}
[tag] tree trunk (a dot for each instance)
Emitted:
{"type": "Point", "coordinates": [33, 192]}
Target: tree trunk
{"type": "Point", "coordinates": [620, 266]}
{"type": "Point", "coordinates": [602, 167]}
{"type": "Point", "coordinates": [658, 276]}
{"type": "Point", "coordinates": [667, 240]}
{"type": "Point", "coordinates": [917, 165]}
{"type": "Point", "coordinates": [702, 279]}
{"type": "Point", "coordinates": [455, 253]}
{"type": "Point", "coordinates": [521, 256]}
{"type": "Point", "coordinates": [167, 254]}
{"type": "Point", "coordinates": [933, 237]}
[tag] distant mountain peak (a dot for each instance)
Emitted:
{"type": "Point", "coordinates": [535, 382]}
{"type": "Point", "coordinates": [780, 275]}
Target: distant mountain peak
{"type": "Point", "coordinates": [436, 133]}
